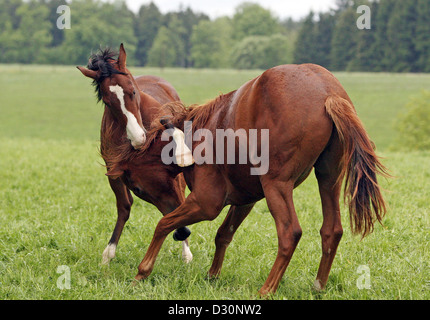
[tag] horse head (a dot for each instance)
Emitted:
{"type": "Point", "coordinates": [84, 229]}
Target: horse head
{"type": "Point", "coordinates": [116, 87]}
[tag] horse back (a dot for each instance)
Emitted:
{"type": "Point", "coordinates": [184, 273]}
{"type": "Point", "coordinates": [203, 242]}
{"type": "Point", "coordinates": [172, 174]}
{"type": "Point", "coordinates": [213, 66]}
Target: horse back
{"type": "Point", "coordinates": [158, 88]}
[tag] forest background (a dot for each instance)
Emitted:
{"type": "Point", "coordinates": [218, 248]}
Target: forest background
{"type": "Point", "coordinates": [253, 38]}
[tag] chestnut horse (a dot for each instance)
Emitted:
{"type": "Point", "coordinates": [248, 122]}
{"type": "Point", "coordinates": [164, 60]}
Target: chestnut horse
{"type": "Point", "coordinates": [312, 123]}
{"type": "Point", "coordinates": [130, 106]}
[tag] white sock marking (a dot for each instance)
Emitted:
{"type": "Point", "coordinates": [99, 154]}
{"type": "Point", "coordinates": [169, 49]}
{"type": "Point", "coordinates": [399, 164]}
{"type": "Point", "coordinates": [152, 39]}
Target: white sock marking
{"type": "Point", "coordinates": [108, 254]}
{"type": "Point", "coordinates": [187, 256]}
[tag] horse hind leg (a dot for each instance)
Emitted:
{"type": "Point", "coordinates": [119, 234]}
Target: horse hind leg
{"type": "Point", "coordinates": [279, 196]}
{"type": "Point", "coordinates": [327, 171]}
{"type": "Point", "coordinates": [224, 236]}
{"type": "Point", "coordinates": [124, 201]}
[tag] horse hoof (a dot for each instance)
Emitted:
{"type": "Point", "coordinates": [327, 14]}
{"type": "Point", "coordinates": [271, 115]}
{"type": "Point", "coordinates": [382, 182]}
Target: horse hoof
{"type": "Point", "coordinates": [108, 254]}
{"type": "Point", "coordinates": [318, 286]}
{"type": "Point", "coordinates": [181, 234]}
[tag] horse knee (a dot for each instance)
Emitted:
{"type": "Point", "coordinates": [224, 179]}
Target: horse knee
{"type": "Point", "coordinates": [124, 211]}
{"type": "Point", "coordinates": [222, 240]}
{"type": "Point", "coordinates": [297, 235]}
{"type": "Point", "coordinates": [337, 234]}
{"type": "Point", "coordinates": [289, 243]}
{"type": "Point", "coordinates": [330, 239]}
{"type": "Point", "coordinates": [334, 234]}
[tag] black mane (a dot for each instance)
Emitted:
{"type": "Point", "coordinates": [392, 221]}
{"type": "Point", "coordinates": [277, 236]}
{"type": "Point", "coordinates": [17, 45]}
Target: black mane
{"type": "Point", "coordinates": [103, 62]}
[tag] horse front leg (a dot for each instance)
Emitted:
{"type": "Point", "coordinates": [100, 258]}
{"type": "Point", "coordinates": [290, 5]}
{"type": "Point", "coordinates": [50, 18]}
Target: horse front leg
{"type": "Point", "coordinates": [124, 201]}
{"type": "Point", "coordinates": [188, 213]}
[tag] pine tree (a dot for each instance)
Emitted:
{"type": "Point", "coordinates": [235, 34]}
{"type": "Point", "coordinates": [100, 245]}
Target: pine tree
{"type": "Point", "coordinates": [365, 57]}
{"type": "Point", "coordinates": [381, 49]}
{"type": "Point", "coordinates": [344, 41]}
{"type": "Point", "coordinates": [305, 50]}
{"type": "Point", "coordinates": [401, 30]}
{"type": "Point", "coordinates": [148, 22]}
{"type": "Point", "coordinates": [323, 36]}
{"type": "Point", "coordinates": [422, 39]}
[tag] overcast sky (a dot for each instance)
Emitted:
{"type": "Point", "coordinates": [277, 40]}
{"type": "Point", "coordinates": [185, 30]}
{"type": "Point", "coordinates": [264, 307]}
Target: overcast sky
{"type": "Point", "coordinates": [215, 8]}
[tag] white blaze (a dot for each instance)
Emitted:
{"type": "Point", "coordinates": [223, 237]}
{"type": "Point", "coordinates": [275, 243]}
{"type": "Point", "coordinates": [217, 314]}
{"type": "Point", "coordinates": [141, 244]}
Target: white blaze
{"type": "Point", "coordinates": [135, 133]}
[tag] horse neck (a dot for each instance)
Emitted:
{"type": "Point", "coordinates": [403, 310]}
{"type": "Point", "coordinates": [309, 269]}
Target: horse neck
{"type": "Point", "coordinates": [213, 111]}
{"type": "Point", "coordinates": [149, 108]}
{"type": "Point", "coordinates": [110, 128]}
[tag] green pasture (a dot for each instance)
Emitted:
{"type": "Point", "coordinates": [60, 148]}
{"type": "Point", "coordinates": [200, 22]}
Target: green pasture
{"type": "Point", "coordinates": [56, 207]}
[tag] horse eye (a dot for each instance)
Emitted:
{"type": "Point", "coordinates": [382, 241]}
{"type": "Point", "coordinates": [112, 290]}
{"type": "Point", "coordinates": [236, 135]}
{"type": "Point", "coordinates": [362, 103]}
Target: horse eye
{"type": "Point", "coordinates": [134, 92]}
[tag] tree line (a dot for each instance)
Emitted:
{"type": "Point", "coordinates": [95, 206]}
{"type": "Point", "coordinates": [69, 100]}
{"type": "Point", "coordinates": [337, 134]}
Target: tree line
{"type": "Point", "coordinates": [253, 38]}
{"type": "Point", "coordinates": [399, 38]}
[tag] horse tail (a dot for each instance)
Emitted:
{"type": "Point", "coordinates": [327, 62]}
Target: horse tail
{"type": "Point", "coordinates": [360, 165]}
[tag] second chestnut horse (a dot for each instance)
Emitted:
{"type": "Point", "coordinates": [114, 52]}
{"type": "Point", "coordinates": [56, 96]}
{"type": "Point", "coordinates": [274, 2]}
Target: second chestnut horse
{"type": "Point", "coordinates": [312, 124]}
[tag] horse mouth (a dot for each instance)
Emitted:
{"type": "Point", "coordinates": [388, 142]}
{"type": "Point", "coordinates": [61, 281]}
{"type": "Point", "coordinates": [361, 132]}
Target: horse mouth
{"type": "Point", "coordinates": [138, 143]}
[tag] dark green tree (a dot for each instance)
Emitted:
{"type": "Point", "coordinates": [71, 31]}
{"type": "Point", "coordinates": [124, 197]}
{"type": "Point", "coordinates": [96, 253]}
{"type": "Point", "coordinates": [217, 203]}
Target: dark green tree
{"type": "Point", "coordinates": [181, 23]}
{"type": "Point", "coordinates": [401, 31]}
{"type": "Point", "coordinates": [366, 57]}
{"type": "Point", "coordinates": [344, 39]}
{"type": "Point", "coordinates": [422, 38]}
{"type": "Point", "coordinates": [9, 22]}
{"type": "Point", "coordinates": [98, 24]}
{"type": "Point", "coordinates": [305, 50]}
{"type": "Point", "coordinates": [56, 33]}
{"type": "Point", "coordinates": [178, 40]}
{"type": "Point", "coordinates": [323, 38]}
{"type": "Point", "coordinates": [31, 35]}
{"type": "Point", "coordinates": [381, 49]}
{"type": "Point", "coordinates": [148, 22]}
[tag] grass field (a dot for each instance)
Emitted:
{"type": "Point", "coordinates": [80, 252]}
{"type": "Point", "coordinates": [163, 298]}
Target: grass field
{"type": "Point", "coordinates": [56, 208]}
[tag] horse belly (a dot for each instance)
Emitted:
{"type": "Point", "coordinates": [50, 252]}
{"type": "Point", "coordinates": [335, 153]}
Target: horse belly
{"type": "Point", "coordinates": [242, 187]}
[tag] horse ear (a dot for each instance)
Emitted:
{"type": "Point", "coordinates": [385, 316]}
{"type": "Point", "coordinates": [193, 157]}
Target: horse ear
{"type": "Point", "coordinates": [122, 58]}
{"type": "Point", "coordinates": [87, 72]}
{"type": "Point", "coordinates": [115, 173]}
